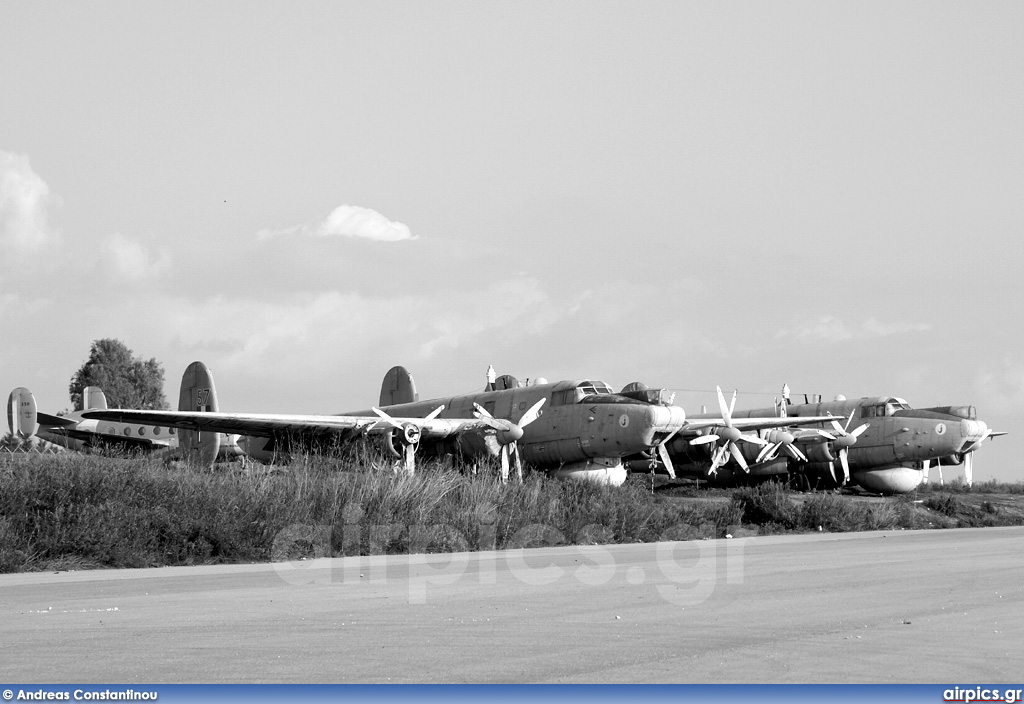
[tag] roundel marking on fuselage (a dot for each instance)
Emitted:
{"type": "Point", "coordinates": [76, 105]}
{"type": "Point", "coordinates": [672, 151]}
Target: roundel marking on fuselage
{"type": "Point", "coordinates": [624, 420]}
{"type": "Point", "coordinates": [940, 429]}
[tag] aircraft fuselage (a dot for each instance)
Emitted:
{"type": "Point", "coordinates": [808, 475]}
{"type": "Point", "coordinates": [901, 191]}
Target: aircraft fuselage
{"type": "Point", "coordinates": [580, 420]}
{"type": "Point", "coordinates": [896, 434]}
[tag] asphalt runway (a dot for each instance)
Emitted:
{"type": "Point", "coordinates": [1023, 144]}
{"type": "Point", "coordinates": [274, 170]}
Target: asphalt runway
{"type": "Point", "coordinates": [896, 606]}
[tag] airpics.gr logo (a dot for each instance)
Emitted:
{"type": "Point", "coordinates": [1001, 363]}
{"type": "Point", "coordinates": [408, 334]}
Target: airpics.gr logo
{"type": "Point", "coordinates": [979, 694]}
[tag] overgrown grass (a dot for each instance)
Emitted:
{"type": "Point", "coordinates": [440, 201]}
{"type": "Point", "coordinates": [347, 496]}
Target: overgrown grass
{"type": "Point", "coordinates": [958, 486]}
{"type": "Point", "coordinates": [770, 506]}
{"type": "Point", "coordinates": [77, 511]}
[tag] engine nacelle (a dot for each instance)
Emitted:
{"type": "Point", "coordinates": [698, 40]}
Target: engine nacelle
{"type": "Point", "coordinates": [477, 442]}
{"type": "Point", "coordinates": [818, 452]}
{"type": "Point", "coordinates": [398, 439]}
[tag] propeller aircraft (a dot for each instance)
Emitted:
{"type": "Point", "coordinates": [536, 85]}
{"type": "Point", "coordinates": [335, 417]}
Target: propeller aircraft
{"type": "Point", "coordinates": [571, 428]}
{"type": "Point", "coordinates": [879, 443]}
{"type": "Point", "coordinates": [75, 432]}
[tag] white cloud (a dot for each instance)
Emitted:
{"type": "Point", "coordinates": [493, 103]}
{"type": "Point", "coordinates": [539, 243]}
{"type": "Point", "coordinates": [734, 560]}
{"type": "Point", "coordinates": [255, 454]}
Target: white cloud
{"type": "Point", "coordinates": [24, 201]}
{"type": "Point", "coordinates": [831, 329]}
{"type": "Point", "coordinates": [348, 221]}
{"type": "Point", "coordinates": [132, 261]}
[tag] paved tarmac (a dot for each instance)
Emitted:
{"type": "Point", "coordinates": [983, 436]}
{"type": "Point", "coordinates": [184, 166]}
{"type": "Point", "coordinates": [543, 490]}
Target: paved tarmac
{"type": "Point", "coordinates": [896, 606]}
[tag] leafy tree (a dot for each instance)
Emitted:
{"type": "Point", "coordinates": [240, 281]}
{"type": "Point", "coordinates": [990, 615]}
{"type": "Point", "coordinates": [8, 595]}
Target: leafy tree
{"type": "Point", "coordinates": [126, 380]}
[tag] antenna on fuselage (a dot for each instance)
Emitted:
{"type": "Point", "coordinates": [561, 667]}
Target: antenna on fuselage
{"type": "Point", "coordinates": [785, 401]}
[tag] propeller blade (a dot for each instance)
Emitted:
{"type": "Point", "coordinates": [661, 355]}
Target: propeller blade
{"type": "Point", "coordinates": [794, 452]}
{"type": "Point", "coordinates": [925, 466]}
{"type": "Point", "coordinates": [844, 460]}
{"type": "Point", "coordinates": [434, 413]}
{"type": "Point", "coordinates": [726, 414]}
{"type": "Point", "coordinates": [516, 460]}
{"type": "Point", "coordinates": [969, 468]}
{"type": "Point", "coordinates": [386, 418]}
{"type": "Point", "coordinates": [532, 413]}
{"type": "Point", "coordinates": [717, 460]}
{"type": "Point", "coordinates": [738, 456]}
{"type": "Point", "coordinates": [666, 460]}
{"type": "Point", "coordinates": [832, 471]}
{"type": "Point", "coordinates": [504, 463]}
{"type": "Point", "coordinates": [859, 429]}
{"type": "Point", "coordinates": [410, 458]}
{"type": "Point", "coordinates": [768, 453]}
{"type": "Point", "coordinates": [754, 440]}
{"type": "Point", "coordinates": [481, 411]}
{"type": "Point", "coordinates": [704, 439]}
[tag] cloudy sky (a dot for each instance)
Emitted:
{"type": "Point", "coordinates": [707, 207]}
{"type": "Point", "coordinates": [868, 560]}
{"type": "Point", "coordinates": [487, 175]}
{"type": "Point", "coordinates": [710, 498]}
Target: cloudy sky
{"type": "Point", "coordinates": [828, 194]}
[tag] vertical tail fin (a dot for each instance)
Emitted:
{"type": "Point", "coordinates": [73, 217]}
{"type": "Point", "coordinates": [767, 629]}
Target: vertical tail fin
{"type": "Point", "coordinates": [93, 399]}
{"type": "Point", "coordinates": [198, 394]}
{"type": "Point", "coordinates": [22, 418]}
{"type": "Point", "coordinates": [398, 387]}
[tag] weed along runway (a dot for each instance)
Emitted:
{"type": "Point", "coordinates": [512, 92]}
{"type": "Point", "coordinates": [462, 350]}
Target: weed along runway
{"type": "Point", "coordinates": [901, 606]}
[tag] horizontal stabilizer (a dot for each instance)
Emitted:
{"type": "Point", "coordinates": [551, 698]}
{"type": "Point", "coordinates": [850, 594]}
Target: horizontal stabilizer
{"type": "Point", "coordinates": [45, 420]}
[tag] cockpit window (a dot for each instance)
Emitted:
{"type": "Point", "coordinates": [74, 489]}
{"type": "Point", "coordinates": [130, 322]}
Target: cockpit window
{"type": "Point", "coordinates": [594, 387]}
{"type": "Point", "coordinates": [579, 392]}
{"type": "Point", "coordinates": [895, 404]}
{"type": "Point", "coordinates": [889, 408]}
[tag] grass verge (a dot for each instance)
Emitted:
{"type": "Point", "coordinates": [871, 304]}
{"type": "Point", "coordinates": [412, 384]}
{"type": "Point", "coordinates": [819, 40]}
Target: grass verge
{"type": "Point", "coordinates": [73, 511]}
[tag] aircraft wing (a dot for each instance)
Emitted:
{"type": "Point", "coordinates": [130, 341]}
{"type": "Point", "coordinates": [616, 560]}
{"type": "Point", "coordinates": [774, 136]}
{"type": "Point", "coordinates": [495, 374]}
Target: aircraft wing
{"type": "Point", "coordinates": [695, 424]}
{"type": "Point", "coordinates": [273, 424]}
{"type": "Point", "coordinates": [45, 419]}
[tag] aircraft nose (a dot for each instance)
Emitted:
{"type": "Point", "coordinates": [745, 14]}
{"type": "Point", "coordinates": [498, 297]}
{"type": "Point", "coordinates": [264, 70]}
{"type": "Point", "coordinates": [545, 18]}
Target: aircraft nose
{"type": "Point", "coordinates": [973, 432]}
{"type": "Point", "coordinates": [667, 419]}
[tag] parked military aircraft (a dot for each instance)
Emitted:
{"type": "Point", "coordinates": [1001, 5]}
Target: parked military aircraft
{"type": "Point", "coordinates": [572, 428]}
{"type": "Point", "coordinates": [76, 432]}
{"type": "Point", "coordinates": [888, 450]}
{"type": "Point", "coordinates": [269, 437]}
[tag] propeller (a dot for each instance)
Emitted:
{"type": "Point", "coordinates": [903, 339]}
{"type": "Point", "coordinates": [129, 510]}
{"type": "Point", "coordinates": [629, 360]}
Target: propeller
{"type": "Point", "coordinates": [730, 435]}
{"type": "Point", "coordinates": [781, 440]}
{"type": "Point", "coordinates": [970, 449]}
{"type": "Point", "coordinates": [843, 439]}
{"type": "Point", "coordinates": [411, 433]}
{"type": "Point", "coordinates": [511, 432]}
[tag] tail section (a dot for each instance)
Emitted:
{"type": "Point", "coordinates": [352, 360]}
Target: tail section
{"type": "Point", "coordinates": [93, 399]}
{"type": "Point", "coordinates": [22, 416]}
{"type": "Point", "coordinates": [198, 394]}
{"type": "Point", "coordinates": [398, 387]}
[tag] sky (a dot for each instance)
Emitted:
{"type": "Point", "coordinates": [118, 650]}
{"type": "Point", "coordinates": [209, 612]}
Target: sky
{"type": "Point", "coordinates": [688, 194]}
